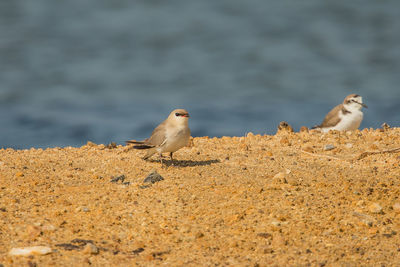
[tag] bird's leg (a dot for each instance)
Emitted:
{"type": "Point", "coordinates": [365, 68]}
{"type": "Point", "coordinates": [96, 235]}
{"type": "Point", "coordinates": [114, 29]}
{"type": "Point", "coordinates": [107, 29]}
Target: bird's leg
{"type": "Point", "coordinates": [162, 162]}
{"type": "Point", "coordinates": [172, 160]}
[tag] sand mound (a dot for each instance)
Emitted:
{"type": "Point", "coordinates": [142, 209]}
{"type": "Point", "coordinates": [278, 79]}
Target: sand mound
{"type": "Point", "coordinates": [288, 199]}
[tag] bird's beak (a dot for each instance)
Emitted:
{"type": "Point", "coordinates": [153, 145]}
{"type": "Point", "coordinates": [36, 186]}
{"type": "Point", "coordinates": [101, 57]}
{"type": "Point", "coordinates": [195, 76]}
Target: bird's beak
{"type": "Point", "coordinates": [186, 115]}
{"type": "Point", "coordinates": [361, 104]}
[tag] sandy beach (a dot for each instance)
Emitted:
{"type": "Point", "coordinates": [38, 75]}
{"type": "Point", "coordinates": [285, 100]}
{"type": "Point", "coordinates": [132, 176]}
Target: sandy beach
{"type": "Point", "coordinates": [299, 199]}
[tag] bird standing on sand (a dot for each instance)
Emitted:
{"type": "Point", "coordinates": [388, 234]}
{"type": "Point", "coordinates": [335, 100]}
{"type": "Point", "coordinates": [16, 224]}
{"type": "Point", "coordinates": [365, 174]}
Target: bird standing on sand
{"type": "Point", "coordinates": [344, 117]}
{"type": "Point", "coordinates": [171, 135]}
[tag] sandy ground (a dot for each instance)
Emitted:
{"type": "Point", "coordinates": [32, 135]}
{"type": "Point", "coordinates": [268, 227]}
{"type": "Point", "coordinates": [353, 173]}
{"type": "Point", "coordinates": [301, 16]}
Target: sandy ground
{"type": "Point", "coordinates": [289, 199]}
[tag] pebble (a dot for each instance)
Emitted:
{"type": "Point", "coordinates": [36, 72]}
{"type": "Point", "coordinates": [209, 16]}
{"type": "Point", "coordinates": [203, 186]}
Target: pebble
{"type": "Point", "coordinates": [153, 177]}
{"type": "Point", "coordinates": [32, 231]}
{"type": "Point", "coordinates": [90, 249]}
{"type": "Point", "coordinates": [329, 147]}
{"type": "Point", "coordinates": [49, 228]}
{"type": "Point", "coordinates": [375, 208]}
{"type": "Point", "coordinates": [360, 203]}
{"type": "Point", "coordinates": [349, 145]}
{"type": "Point", "coordinates": [304, 129]}
{"type": "Point", "coordinates": [283, 125]}
{"type": "Point", "coordinates": [28, 251]}
{"type": "Point", "coordinates": [276, 223]}
{"type": "Point", "coordinates": [396, 207]}
{"type": "Point", "coordinates": [118, 178]}
{"type": "Point", "coordinates": [279, 175]}
{"type": "Point", "coordinates": [91, 144]}
{"type": "Point", "coordinates": [84, 209]}
{"type": "Point", "coordinates": [365, 219]}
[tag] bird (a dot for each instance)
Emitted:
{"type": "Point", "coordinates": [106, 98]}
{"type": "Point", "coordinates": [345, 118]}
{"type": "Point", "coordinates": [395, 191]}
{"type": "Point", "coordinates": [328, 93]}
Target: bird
{"type": "Point", "coordinates": [344, 117]}
{"type": "Point", "coordinates": [169, 136]}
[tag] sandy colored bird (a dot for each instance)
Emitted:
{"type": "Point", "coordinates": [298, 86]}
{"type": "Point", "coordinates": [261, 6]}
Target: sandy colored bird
{"type": "Point", "coordinates": [170, 136]}
{"type": "Point", "coordinates": [344, 117]}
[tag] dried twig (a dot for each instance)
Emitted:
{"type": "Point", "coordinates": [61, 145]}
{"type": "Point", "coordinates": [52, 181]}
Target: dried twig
{"type": "Point", "coordinates": [367, 153]}
{"type": "Point", "coordinates": [321, 155]}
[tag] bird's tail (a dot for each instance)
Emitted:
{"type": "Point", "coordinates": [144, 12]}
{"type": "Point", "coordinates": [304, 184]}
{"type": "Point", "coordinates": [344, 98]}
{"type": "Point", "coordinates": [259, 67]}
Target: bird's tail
{"type": "Point", "coordinates": [139, 144]}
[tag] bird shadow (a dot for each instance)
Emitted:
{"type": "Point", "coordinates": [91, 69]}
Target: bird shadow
{"type": "Point", "coordinates": [185, 163]}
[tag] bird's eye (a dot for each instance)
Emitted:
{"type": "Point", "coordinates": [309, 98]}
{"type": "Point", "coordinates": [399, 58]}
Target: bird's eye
{"type": "Point", "coordinates": [177, 114]}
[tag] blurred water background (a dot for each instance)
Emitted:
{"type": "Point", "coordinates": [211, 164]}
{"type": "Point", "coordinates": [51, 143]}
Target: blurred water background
{"type": "Point", "coordinates": [100, 70]}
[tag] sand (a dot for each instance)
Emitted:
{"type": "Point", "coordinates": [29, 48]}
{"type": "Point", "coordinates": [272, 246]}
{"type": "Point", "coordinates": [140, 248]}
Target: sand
{"type": "Point", "coordinates": [290, 199]}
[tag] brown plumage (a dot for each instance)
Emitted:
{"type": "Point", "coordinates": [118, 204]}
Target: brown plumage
{"type": "Point", "coordinates": [171, 135]}
{"type": "Point", "coordinates": [331, 119]}
{"type": "Point", "coordinates": [344, 117]}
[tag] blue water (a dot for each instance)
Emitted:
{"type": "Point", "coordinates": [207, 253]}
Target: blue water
{"type": "Point", "coordinates": [79, 70]}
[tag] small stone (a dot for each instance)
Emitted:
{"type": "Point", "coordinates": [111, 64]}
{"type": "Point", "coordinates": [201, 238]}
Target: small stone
{"type": "Point", "coordinates": [265, 235]}
{"type": "Point", "coordinates": [284, 141]}
{"type": "Point", "coordinates": [91, 144]}
{"type": "Point", "coordinates": [279, 175]}
{"type": "Point", "coordinates": [19, 174]}
{"type": "Point", "coordinates": [373, 231]}
{"type": "Point", "coordinates": [304, 129]}
{"type": "Point", "coordinates": [32, 231]}
{"type": "Point", "coordinates": [365, 219]}
{"type": "Point", "coordinates": [28, 251]}
{"type": "Point", "coordinates": [276, 223]}
{"type": "Point", "coordinates": [349, 145]}
{"type": "Point", "coordinates": [199, 235]}
{"type": "Point", "coordinates": [329, 147]}
{"type": "Point", "coordinates": [90, 249]}
{"type": "Point", "coordinates": [250, 134]}
{"type": "Point", "coordinates": [385, 126]}
{"type": "Point", "coordinates": [118, 178]}
{"type": "Point", "coordinates": [396, 207]}
{"type": "Point", "coordinates": [85, 209]}
{"type": "Point", "coordinates": [308, 149]}
{"type": "Point", "coordinates": [111, 145]}
{"type": "Point", "coordinates": [283, 125]}
{"type": "Point", "coordinates": [101, 146]}
{"type": "Point", "coordinates": [360, 203]}
{"type": "Point", "coordinates": [137, 251]}
{"type": "Point", "coordinates": [375, 208]}
{"type": "Point", "coordinates": [153, 177]}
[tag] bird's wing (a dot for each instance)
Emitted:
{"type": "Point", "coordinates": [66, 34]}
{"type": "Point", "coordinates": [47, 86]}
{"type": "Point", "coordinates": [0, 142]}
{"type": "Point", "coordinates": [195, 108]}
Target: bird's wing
{"type": "Point", "coordinates": [158, 136]}
{"type": "Point", "coordinates": [331, 119]}
{"type": "Point", "coordinates": [135, 142]}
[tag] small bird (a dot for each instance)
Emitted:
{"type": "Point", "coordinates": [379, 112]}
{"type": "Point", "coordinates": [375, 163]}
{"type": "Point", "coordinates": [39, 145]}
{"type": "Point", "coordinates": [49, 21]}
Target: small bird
{"type": "Point", "coordinates": [170, 136]}
{"type": "Point", "coordinates": [344, 117]}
